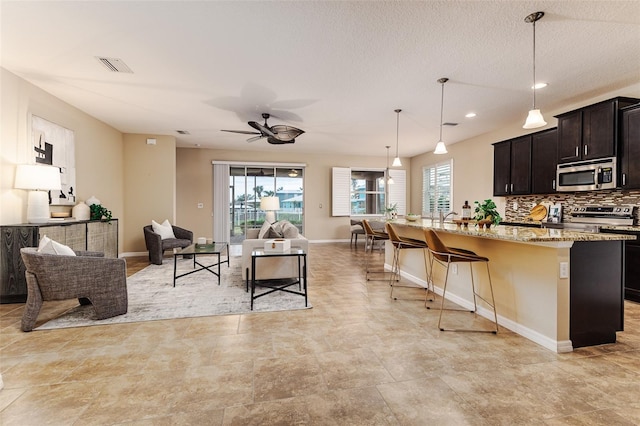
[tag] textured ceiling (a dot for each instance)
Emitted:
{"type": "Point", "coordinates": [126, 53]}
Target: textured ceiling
{"type": "Point", "coordinates": [335, 69]}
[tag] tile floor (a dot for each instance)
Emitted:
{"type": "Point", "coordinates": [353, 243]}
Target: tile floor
{"type": "Point", "coordinates": [356, 358]}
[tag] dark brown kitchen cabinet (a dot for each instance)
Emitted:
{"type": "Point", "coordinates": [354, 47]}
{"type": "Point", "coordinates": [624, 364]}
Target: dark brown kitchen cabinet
{"type": "Point", "coordinates": [512, 167]}
{"type": "Point", "coordinates": [544, 152]}
{"type": "Point", "coordinates": [630, 148]}
{"type": "Point", "coordinates": [590, 132]}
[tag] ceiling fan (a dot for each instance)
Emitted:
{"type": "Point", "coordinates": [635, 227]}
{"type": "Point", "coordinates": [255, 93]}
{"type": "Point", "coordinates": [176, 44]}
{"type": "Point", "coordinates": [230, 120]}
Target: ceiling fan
{"type": "Point", "coordinates": [276, 135]}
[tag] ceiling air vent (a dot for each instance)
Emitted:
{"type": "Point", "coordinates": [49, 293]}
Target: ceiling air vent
{"type": "Point", "coordinates": [114, 64]}
{"type": "Point", "coordinates": [450, 124]}
{"type": "Point", "coordinates": [183, 132]}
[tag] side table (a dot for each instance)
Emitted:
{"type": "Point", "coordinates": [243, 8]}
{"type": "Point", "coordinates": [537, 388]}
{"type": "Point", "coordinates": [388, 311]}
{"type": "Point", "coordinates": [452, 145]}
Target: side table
{"type": "Point", "coordinates": [280, 284]}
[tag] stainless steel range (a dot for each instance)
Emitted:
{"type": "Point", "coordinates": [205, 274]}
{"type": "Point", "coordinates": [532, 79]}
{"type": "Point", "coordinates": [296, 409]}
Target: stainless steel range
{"type": "Point", "coordinates": [592, 218]}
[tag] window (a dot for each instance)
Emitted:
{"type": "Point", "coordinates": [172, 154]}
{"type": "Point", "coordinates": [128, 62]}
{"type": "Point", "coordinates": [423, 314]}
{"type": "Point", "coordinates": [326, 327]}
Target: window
{"type": "Point", "coordinates": [367, 194]}
{"type": "Point", "coordinates": [437, 188]}
{"type": "Point", "coordinates": [357, 192]}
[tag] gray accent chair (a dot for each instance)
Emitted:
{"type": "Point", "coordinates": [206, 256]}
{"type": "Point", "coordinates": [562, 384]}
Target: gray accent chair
{"type": "Point", "coordinates": [356, 229]}
{"type": "Point", "coordinates": [88, 277]}
{"type": "Point", "coordinates": [156, 245]}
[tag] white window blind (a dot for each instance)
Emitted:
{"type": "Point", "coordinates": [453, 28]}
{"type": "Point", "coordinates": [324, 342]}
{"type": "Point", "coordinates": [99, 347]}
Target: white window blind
{"type": "Point", "coordinates": [341, 185]}
{"type": "Point", "coordinates": [398, 190]}
{"type": "Point", "coordinates": [221, 230]}
{"type": "Point", "coordinates": [437, 188]}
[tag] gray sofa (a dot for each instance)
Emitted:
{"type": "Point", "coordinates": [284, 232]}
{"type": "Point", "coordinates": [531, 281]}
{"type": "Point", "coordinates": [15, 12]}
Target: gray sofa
{"type": "Point", "coordinates": [88, 277]}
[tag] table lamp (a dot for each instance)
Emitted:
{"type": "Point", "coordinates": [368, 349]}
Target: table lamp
{"type": "Point", "coordinates": [38, 180]}
{"type": "Point", "coordinates": [270, 205]}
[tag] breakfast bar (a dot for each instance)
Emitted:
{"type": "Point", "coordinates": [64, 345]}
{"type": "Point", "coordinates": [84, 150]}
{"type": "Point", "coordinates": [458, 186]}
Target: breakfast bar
{"type": "Point", "coordinates": [561, 289]}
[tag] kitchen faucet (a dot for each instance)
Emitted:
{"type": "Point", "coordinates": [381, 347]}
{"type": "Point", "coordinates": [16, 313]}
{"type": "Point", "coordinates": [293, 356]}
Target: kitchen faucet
{"type": "Point", "coordinates": [443, 216]}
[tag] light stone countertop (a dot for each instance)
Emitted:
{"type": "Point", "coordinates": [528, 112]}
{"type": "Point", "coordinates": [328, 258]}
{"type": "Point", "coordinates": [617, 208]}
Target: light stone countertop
{"type": "Point", "coordinates": [514, 233]}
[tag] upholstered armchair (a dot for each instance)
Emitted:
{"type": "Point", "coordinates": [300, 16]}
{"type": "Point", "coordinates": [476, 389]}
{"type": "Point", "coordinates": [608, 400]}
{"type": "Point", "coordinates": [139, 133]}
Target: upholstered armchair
{"type": "Point", "coordinates": [88, 277]}
{"type": "Point", "coordinates": [156, 245]}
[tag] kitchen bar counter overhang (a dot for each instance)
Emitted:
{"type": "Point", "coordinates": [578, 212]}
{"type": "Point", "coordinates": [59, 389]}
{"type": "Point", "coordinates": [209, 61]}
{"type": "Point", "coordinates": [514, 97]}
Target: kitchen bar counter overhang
{"type": "Point", "coordinates": [534, 297]}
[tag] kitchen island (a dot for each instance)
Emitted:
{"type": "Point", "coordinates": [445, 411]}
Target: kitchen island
{"type": "Point", "coordinates": [561, 289]}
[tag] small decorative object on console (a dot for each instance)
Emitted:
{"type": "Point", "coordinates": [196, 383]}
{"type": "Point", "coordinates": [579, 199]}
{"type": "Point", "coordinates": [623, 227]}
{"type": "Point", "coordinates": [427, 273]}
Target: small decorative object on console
{"type": "Point", "coordinates": [412, 217]}
{"type": "Point", "coordinates": [279, 245]}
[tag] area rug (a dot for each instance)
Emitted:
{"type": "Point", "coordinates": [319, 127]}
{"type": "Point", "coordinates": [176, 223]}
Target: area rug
{"type": "Point", "coordinates": [152, 296]}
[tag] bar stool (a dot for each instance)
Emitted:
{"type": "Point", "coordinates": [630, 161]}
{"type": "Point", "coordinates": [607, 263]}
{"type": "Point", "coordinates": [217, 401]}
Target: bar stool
{"type": "Point", "coordinates": [399, 244]}
{"type": "Point", "coordinates": [371, 236]}
{"type": "Point", "coordinates": [446, 256]}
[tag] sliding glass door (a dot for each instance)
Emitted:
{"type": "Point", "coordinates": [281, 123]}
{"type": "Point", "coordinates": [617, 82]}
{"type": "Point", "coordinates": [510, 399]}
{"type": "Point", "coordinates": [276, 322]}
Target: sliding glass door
{"type": "Point", "coordinates": [248, 185]}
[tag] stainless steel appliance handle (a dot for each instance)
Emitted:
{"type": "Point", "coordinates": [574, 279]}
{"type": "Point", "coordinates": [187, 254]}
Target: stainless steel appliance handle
{"type": "Point", "coordinates": [598, 175]}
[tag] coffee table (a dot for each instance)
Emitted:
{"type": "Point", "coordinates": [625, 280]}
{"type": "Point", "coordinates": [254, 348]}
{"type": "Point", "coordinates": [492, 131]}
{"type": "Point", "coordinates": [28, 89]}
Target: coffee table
{"type": "Point", "coordinates": [196, 250]}
{"type": "Point", "coordinates": [281, 284]}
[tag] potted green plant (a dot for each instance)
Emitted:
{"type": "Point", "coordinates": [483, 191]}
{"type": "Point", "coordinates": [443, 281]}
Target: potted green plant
{"type": "Point", "coordinates": [391, 212]}
{"type": "Point", "coordinates": [98, 212]}
{"type": "Point", "coordinates": [487, 213]}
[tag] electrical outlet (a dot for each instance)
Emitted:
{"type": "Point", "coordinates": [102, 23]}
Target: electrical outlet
{"type": "Point", "coordinates": [200, 205]}
{"type": "Point", "coordinates": [564, 269]}
{"type": "Point", "coordinates": [454, 269]}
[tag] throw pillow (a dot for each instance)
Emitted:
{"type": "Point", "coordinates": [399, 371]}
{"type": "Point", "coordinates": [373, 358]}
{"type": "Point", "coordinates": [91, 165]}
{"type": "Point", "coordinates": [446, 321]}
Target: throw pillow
{"type": "Point", "coordinates": [266, 226]}
{"type": "Point", "coordinates": [164, 229]}
{"type": "Point", "coordinates": [54, 247]}
{"type": "Point", "coordinates": [274, 232]}
{"type": "Point", "coordinates": [290, 231]}
{"type": "Point", "coordinates": [43, 242]}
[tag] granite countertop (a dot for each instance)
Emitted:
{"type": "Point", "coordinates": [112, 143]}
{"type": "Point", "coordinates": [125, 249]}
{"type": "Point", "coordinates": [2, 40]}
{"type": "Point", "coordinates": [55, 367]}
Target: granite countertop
{"type": "Point", "coordinates": [514, 233]}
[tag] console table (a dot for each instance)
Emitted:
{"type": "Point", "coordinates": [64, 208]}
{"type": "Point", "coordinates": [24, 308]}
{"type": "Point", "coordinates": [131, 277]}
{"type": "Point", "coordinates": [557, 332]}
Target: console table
{"type": "Point", "coordinates": [91, 235]}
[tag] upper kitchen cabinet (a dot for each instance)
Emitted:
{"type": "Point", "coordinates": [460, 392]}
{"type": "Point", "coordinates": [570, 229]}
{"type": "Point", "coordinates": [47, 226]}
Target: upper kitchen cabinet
{"type": "Point", "coordinates": [544, 151]}
{"type": "Point", "coordinates": [512, 167]}
{"type": "Point", "coordinates": [590, 132]}
{"type": "Point", "coordinates": [630, 148]}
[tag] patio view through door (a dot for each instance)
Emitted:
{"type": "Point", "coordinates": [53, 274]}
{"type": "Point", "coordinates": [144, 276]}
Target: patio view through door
{"type": "Point", "coordinates": [249, 184]}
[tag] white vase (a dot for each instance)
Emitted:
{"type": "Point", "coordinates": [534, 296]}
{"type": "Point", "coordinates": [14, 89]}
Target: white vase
{"type": "Point", "coordinates": [92, 200]}
{"type": "Point", "coordinates": [81, 211]}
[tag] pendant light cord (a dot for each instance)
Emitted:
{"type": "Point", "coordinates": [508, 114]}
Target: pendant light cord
{"type": "Point", "coordinates": [441, 109]}
{"type": "Point", "coordinates": [534, 65]}
{"type": "Point", "coordinates": [397, 130]}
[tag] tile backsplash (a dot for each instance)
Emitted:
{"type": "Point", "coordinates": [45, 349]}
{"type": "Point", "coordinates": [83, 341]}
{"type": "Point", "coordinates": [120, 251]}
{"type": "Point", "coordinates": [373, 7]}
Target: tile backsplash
{"type": "Point", "coordinates": [569, 200]}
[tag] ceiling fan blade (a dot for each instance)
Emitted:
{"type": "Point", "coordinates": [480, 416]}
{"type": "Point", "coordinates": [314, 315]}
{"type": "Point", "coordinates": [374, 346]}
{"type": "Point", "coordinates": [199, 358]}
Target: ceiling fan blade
{"type": "Point", "coordinates": [255, 138]}
{"type": "Point", "coordinates": [244, 132]}
{"type": "Point", "coordinates": [286, 133]}
{"type": "Point", "coordinates": [259, 127]}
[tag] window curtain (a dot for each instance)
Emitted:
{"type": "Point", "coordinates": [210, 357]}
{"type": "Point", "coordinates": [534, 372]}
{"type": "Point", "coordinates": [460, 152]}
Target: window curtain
{"type": "Point", "coordinates": [221, 219]}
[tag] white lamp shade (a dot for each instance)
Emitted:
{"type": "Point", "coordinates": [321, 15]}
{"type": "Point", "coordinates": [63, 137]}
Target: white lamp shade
{"type": "Point", "coordinates": [32, 176]}
{"type": "Point", "coordinates": [534, 120]}
{"type": "Point", "coordinates": [396, 162]}
{"type": "Point", "coordinates": [270, 203]}
{"type": "Point", "coordinates": [440, 148]}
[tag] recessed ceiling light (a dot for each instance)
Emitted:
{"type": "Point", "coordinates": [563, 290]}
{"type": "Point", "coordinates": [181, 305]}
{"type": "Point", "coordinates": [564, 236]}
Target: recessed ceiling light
{"type": "Point", "coordinates": [471, 115]}
{"type": "Point", "coordinates": [540, 86]}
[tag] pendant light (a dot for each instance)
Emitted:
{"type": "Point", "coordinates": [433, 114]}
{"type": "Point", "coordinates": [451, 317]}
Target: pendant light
{"type": "Point", "coordinates": [389, 178]}
{"type": "Point", "coordinates": [440, 147]}
{"type": "Point", "coordinates": [396, 161]}
{"type": "Point", "coordinates": [534, 119]}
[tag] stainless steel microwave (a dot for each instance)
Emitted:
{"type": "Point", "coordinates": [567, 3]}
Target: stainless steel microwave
{"type": "Point", "coordinates": [589, 175]}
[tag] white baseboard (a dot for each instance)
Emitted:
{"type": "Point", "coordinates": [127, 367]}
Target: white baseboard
{"type": "Point", "coordinates": [134, 254]}
{"type": "Point", "coordinates": [558, 346]}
